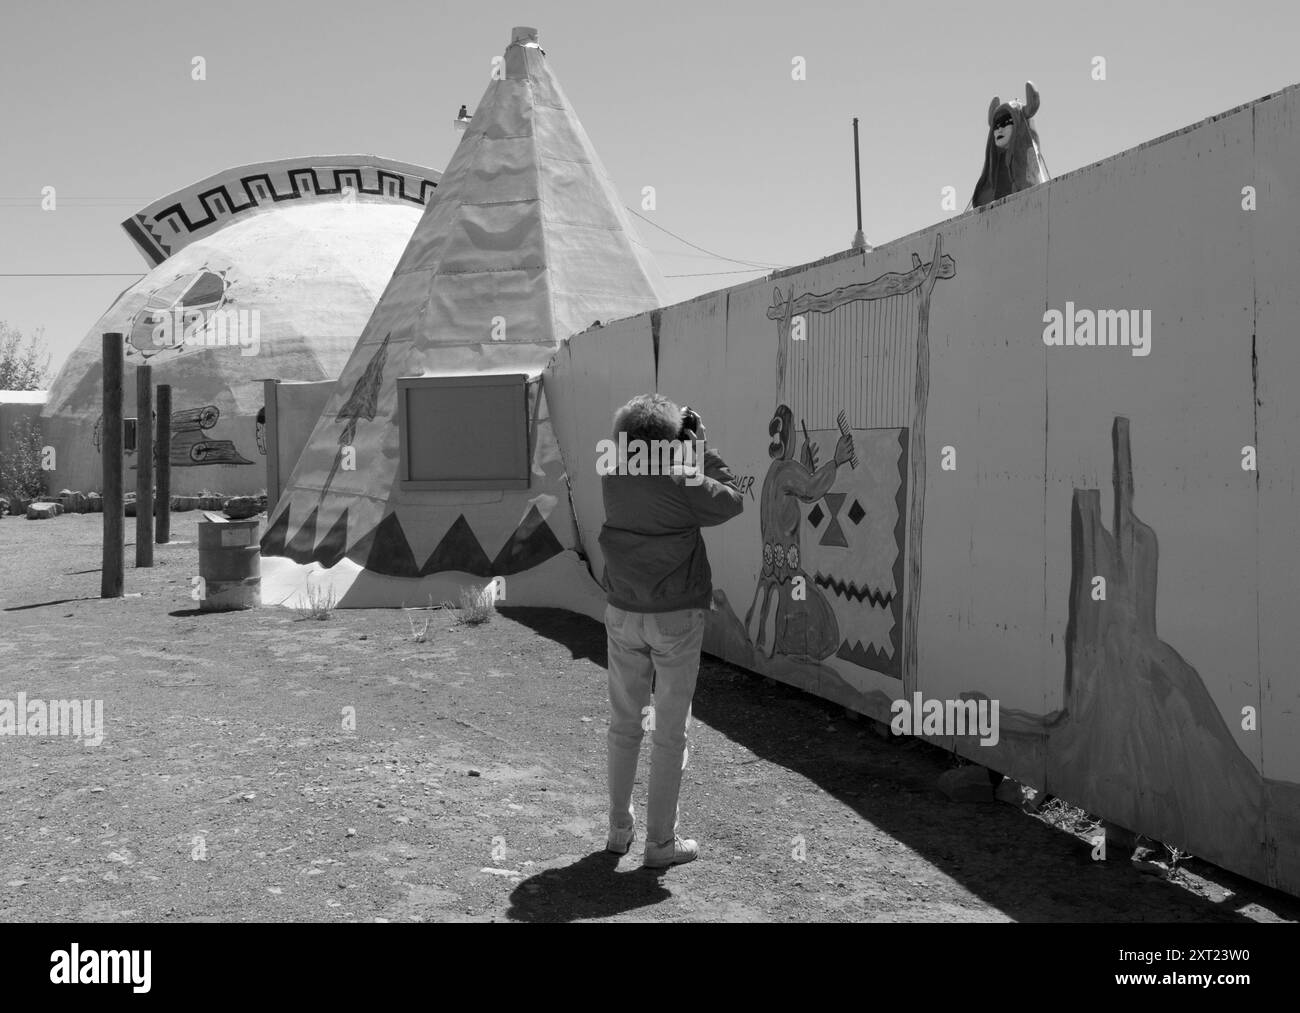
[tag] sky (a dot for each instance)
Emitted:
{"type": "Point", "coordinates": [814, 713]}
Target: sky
{"type": "Point", "coordinates": [697, 99]}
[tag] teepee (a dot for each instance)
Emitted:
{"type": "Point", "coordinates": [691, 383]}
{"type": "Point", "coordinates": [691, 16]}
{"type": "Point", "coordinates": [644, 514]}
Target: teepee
{"type": "Point", "coordinates": [524, 243]}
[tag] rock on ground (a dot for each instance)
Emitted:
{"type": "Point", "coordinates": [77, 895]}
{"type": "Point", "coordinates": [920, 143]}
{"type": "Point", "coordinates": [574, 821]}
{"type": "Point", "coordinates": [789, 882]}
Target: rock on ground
{"type": "Point", "coordinates": [966, 784]}
{"type": "Point", "coordinates": [72, 502]}
{"type": "Point", "coordinates": [239, 508]}
{"type": "Point", "coordinates": [1020, 795]}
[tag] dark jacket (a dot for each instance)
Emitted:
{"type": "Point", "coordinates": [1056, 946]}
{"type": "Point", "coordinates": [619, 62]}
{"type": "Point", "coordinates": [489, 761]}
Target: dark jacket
{"type": "Point", "coordinates": [654, 554]}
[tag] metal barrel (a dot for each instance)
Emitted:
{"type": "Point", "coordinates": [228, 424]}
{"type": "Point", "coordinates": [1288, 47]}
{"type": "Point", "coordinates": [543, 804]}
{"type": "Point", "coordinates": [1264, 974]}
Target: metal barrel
{"type": "Point", "coordinates": [230, 565]}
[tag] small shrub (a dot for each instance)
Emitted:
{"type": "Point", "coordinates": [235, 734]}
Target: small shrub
{"type": "Point", "coordinates": [1176, 859]}
{"type": "Point", "coordinates": [477, 605]}
{"type": "Point", "coordinates": [317, 603]}
{"type": "Point", "coordinates": [1059, 813]}
{"type": "Point", "coordinates": [420, 635]}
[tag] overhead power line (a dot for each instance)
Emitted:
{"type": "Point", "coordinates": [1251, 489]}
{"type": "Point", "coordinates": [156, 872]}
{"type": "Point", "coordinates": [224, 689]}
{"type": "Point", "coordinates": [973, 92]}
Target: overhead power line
{"type": "Point", "coordinates": [705, 274]}
{"type": "Point", "coordinates": [74, 202]}
{"type": "Point", "coordinates": [716, 256]}
{"type": "Point", "coordinates": [751, 265]}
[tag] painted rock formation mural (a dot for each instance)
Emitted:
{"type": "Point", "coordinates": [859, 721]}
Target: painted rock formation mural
{"type": "Point", "coordinates": [1139, 728]}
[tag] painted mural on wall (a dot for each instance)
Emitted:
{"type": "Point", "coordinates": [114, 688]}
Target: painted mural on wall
{"type": "Point", "coordinates": [798, 624]}
{"type": "Point", "coordinates": [191, 444]}
{"type": "Point", "coordinates": [183, 315]}
{"type": "Point", "coordinates": [261, 430]}
{"type": "Point", "coordinates": [1138, 737]}
{"type": "Point", "coordinates": [843, 498]}
{"type": "Point", "coordinates": [1185, 730]}
{"type": "Point", "coordinates": [1132, 703]}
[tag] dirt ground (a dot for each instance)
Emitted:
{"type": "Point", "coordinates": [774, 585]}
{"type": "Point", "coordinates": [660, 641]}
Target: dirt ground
{"type": "Point", "coordinates": [228, 788]}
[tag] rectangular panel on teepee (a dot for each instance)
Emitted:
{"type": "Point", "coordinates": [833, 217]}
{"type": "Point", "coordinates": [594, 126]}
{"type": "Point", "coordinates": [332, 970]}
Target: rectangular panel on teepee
{"type": "Point", "coordinates": [493, 407]}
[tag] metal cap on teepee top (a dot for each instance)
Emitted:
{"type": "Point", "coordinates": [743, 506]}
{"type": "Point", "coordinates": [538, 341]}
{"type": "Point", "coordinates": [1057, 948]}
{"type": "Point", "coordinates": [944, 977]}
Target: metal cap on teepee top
{"type": "Point", "coordinates": [524, 55]}
{"type": "Point", "coordinates": [524, 36]}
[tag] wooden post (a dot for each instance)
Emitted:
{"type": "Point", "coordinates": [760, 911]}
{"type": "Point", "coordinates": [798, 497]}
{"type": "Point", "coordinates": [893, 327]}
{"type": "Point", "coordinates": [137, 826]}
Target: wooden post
{"type": "Point", "coordinates": [144, 466]}
{"type": "Point", "coordinates": [110, 443]}
{"type": "Point", "coordinates": [271, 438]}
{"type": "Point", "coordinates": [163, 523]}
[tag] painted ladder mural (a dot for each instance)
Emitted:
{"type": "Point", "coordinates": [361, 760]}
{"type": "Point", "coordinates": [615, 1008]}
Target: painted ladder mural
{"type": "Point", "coordinates": [843, 499]}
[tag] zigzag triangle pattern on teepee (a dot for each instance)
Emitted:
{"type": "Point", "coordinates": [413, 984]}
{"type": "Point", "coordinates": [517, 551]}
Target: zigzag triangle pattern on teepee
{"type": "Point", "coordinates": [458, 550]}
{"type": "Point", "coordinates": [532, 543]}
{"type": "Point", "coordinates": [333, 547]}
{"type": "Point", "coordinates": [386, 550]}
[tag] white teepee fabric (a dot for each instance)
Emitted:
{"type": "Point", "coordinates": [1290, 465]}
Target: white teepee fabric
{"type": "Point", "coordinates": [525, 242]}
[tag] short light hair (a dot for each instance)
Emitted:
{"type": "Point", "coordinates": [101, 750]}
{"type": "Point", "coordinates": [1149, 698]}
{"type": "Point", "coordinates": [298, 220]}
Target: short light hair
{"type": "Point", "coordinates": [649, 417]}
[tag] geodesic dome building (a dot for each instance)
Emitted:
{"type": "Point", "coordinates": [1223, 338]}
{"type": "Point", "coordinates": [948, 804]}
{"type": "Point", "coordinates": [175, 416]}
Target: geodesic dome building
{"type": "Point", "coordinates": [262, 271]}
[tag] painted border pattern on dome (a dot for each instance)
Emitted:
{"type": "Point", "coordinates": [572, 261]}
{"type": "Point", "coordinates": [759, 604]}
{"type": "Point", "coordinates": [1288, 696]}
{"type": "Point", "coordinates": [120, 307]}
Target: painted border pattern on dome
{"type": "Point", "coordinates": [167, 225]}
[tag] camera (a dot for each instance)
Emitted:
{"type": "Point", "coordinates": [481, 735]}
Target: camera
{"type": "Point", "coordinates": [690, 423]}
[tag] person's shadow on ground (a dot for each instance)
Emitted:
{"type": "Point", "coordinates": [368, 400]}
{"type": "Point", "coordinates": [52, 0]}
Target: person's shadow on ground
{"type": "Point", "coordinates": [591, 887]}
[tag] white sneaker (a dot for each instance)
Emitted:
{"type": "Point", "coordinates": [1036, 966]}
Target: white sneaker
{"type": "Point", "coordinates": [679, 852]}
{"type": "Point", "coordinates": [620, 840]}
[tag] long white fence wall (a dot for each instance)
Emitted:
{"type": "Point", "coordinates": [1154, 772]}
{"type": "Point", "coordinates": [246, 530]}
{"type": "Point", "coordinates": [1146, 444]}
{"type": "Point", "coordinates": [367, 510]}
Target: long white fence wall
{"type": "Point", "coordinates": [1100, 542]}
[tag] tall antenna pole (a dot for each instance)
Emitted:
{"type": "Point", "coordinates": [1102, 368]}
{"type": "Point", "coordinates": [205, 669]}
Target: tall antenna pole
{"type": "Point", "coordinates": [859, 240]}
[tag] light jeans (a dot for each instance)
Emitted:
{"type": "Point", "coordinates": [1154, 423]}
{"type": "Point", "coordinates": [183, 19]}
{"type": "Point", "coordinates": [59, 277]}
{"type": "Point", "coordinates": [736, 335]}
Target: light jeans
{"type": "Point", "coordinates": [664, 646]}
